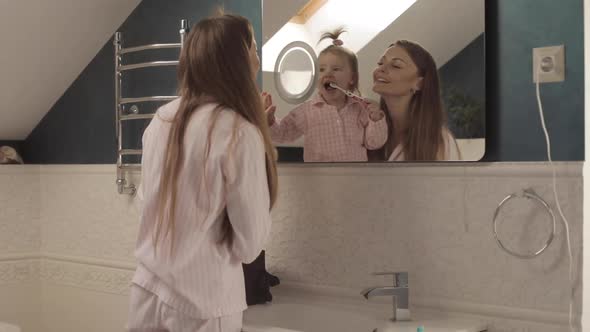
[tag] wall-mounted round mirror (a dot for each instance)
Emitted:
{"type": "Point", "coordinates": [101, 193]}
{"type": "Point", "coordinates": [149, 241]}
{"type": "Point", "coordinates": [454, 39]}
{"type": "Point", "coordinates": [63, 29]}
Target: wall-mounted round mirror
{"type": "Point", "coordinates": [295, 72]}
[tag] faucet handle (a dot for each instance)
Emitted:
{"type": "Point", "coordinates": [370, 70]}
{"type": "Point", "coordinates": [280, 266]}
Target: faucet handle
{"type": "Point", "coordinates": [400, 279]}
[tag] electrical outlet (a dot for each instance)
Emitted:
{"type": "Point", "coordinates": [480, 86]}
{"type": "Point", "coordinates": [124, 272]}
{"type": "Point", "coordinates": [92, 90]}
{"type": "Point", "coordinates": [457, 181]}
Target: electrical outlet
{"type": "Point", "coordinates": [549, 64]}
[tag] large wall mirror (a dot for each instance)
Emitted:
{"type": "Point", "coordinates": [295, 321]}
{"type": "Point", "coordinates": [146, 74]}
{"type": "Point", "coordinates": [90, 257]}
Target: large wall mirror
{"type": "Point", "coordinates": [418, 93]}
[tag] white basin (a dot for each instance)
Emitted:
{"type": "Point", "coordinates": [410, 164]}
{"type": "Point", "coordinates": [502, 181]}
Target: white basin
{"type": "Point", "coordinates": [296, 317]}
{"type": "Point", "coordinates": [304, 318]}
{"type": "Point", "coordinates": [295, 311]}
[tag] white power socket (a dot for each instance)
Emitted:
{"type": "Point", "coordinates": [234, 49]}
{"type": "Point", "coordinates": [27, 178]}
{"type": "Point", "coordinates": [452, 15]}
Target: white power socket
{"type": "Point", "coordinates": [552, 59]}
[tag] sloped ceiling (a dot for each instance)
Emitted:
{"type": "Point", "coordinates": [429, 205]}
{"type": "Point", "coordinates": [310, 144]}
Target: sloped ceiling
{"type": "Point", "coordinates": [443, 27]}
{"type": "Point", "coordinates": [45, 46]}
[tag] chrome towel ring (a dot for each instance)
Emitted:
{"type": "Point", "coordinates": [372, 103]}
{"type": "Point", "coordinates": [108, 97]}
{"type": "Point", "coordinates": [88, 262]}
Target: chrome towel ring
{"type": "Point", "coordinates": [529, 194]}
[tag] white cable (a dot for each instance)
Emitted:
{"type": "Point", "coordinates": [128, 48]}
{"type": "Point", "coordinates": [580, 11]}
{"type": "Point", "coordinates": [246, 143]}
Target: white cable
{"type": "Point", "coordinates": [565, 222]}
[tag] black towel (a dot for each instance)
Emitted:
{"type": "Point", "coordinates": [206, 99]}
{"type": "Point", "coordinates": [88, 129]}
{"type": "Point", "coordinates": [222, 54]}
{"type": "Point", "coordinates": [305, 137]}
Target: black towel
{"type": "Point", "coordinates": [258, 281]}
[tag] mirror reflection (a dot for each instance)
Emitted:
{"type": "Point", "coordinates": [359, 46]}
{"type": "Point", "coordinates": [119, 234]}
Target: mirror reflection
{"type": "Point", "coordinates": [289, 68]}
{"type": "Point", "coordinates": [409, 86]}
{"type": "Point", "coordinates": [295, 71]}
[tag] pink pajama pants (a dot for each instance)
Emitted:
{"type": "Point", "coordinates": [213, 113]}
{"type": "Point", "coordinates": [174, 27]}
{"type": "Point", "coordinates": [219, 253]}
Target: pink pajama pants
{"type": "Point", "coordinates": [148, 314]}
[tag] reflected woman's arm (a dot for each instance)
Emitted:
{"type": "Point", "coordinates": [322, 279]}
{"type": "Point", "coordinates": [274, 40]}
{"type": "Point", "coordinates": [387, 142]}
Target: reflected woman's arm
{"type": "Point", "coordinates": [375, 127]}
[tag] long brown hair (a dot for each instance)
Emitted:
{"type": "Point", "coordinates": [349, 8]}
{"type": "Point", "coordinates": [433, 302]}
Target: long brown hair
{"type": "Point", "coordinates": [342, 51]}
{"type": "Point", "coordinates": [423, 139]}
{"type": "Point", "coordinates": [214, 64]}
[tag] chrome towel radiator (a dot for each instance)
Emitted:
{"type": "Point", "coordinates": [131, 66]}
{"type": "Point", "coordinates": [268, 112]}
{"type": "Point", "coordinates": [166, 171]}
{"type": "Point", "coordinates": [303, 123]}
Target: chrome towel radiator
{"type": "Point", "coordinates": [121, 115]}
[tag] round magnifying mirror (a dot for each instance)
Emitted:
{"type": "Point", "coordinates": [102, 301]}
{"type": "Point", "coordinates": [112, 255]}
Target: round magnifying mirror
{"type": "Point", "coordinates": [295, 72]}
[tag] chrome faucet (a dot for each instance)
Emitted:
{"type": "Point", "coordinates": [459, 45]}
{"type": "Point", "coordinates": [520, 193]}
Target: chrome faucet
{"type": "Point", "coordinates": [400, 292]}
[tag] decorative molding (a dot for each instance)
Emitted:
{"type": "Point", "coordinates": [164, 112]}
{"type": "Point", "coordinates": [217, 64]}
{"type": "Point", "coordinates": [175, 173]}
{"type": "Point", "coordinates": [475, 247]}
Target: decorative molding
{"type": "Point", "coordinates": [114, 264]}
{"type": "Point", "coordinates": [19, 271]}
{"type": "Point", "coordinates": [19, 257]}
{"type": "Point", "coordinates": [110, 264]}
{"type": "Point", "coordinates": [87, 276]}
{"type": "Point", "coordinates": [108, 276]}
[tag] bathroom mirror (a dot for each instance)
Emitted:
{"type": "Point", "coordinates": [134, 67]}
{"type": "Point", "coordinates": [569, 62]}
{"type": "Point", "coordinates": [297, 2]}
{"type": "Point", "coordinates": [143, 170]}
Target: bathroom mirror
{"type": "Point", "coordinates": [451, 31]}
{"type": "Point", "coordinates": [295, 72]}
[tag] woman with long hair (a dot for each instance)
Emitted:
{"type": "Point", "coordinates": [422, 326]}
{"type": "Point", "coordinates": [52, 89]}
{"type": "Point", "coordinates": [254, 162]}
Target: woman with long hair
{"type": "Point", "coordinates": [407, 80]}
{"type": "Point", "coordinates": [208, 183]}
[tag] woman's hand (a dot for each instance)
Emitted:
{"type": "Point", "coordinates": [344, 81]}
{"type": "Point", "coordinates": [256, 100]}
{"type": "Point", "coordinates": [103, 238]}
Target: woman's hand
{"type": "Point", "coordinates": [269, 108]}
{"type": "Point", "coordinates": [371, 112]}
{"type": "Point", "coordinates": [266, 99]}
{"type": "Point", "coordinates": [375, 113]}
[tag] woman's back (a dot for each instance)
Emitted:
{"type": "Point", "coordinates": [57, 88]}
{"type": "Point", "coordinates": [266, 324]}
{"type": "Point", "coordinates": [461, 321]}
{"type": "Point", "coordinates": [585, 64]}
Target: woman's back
{"type": "Point", "coordinates": [202, 276]}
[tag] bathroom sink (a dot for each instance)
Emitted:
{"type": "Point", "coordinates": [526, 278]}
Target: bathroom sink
{"type": "Point", "coordinates": [303, 318]}
{"type": "Point", "coordinates": [300, 317]}
{"type": "Point", "coordinates": [297, 308]}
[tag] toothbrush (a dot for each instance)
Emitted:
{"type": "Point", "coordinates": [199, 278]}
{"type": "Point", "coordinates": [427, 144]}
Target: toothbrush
{"type": "Point", "coordinates": [346, 92]}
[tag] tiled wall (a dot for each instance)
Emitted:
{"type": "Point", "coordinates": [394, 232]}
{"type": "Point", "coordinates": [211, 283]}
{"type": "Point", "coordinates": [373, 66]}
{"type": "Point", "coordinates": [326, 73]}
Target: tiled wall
{"type": "Point", "coordinates": [20, 243]}
{"type": "Point", "coordinates": [333, 226]}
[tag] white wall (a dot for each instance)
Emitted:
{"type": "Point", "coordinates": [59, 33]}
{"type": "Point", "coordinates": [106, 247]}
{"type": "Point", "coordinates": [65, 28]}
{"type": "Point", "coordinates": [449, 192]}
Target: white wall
{"type": "Point", "coordinates": [48, 41]}
{"type": "Point", "coordinates": [20, 243]}
{"type": "Point", "coordinates": [89, 234]}
{"type": "Point", "coordinates": [332, 227]}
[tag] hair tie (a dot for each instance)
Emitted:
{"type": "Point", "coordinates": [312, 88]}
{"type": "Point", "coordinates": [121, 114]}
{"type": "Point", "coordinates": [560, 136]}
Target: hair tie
{"type": "Point", "coordinates": [337, 42]}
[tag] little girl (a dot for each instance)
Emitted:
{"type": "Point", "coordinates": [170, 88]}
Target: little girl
{"type": "Point", "coordinates": [336, 127]}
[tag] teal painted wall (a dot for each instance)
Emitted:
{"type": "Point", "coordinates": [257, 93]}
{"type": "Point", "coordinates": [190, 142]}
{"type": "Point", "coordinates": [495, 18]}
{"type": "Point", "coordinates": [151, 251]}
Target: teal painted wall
{"type": "Point", "coordinates": [465, 74]}
{"type": "Point", "coordinates": [80, 127]}
{"type": "Point", "coordinates": [523, 25]}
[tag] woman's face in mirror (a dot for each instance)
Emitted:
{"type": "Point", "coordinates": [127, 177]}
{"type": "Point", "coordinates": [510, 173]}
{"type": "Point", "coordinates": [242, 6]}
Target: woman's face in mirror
{"type": "Point", "coordinates": [396, 74]}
